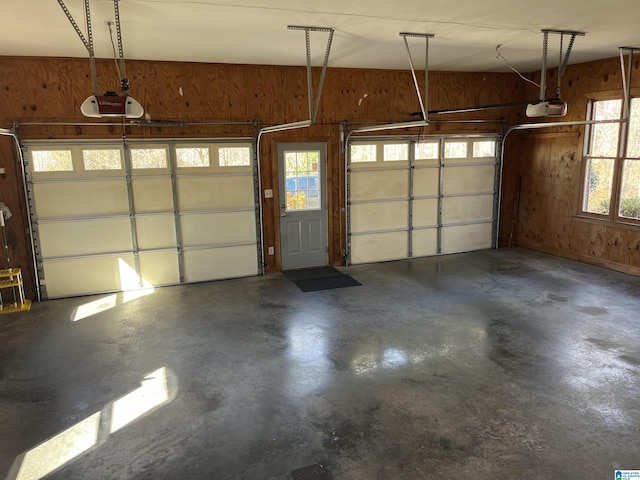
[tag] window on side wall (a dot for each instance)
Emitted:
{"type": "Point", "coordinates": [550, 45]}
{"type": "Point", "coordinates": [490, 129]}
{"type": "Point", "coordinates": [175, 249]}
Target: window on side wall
{"type": "Point", "coordinates": [611, 182]}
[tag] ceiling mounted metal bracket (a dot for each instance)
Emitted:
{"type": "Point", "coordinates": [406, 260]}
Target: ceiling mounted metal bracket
{"type": "Point", "coordinates": [124, 83]}
{"type": "Point", "coordinates": [626, 77]}
{"type": "Point", "coordinates": [426, 37]}
{"type": "Point", "coordinates": [110, 104]}
{"type": "Point", "coordinates": [314, 101]}
{"type": "Point", "coordinates": [423, 111]}
{"type": "Point", "coordinates": [563, 57]}
{"type": "Point", "coordinates": [87, 42]}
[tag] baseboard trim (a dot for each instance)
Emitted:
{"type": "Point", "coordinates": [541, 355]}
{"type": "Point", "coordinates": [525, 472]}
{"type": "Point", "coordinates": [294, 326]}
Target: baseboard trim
{"type": "Point", "coordinates": [599, 262]}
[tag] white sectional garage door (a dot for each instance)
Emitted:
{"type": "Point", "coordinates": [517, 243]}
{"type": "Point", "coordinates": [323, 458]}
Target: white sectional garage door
{"type": "Point", "coordinates": [420, 197]}
{"type": "Point", "coordinates": [112, 218]}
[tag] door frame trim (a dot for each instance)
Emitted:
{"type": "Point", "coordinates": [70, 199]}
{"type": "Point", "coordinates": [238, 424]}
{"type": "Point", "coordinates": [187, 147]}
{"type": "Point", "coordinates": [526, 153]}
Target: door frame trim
{"type": "Point", "coordinates": [275, 216]}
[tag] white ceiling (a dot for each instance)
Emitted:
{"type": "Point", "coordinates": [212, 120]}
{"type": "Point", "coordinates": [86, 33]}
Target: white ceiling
{"type": "Point", "coordinates": [366, 31]}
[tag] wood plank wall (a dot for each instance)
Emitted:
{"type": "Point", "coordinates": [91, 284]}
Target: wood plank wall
{"type": "Point", "coordinates": [548, 166]}
{"type": "Point", "coordinates": [52, 89]}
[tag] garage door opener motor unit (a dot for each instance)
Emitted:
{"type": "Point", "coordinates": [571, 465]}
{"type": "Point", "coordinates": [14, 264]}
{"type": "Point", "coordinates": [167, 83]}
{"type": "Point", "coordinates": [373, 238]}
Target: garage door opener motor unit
{"type": "Point", "coordinates": [110, 104]}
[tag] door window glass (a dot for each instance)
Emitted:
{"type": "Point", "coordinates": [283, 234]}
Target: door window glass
{"type": "Point", "coordinates": [302, 180]}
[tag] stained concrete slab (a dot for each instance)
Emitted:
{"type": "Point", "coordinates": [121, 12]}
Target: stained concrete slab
{"type": "Point", "coordinates": [496, 364]}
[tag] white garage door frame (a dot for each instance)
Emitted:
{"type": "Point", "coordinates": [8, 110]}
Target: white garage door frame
{"type": "Point", "coordinates": [192, 218]}
{"type": "Point", "coordinates": [410, 196]}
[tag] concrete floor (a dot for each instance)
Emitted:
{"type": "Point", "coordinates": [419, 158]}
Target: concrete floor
{"type": "Point", "coordinates": [499, 364]}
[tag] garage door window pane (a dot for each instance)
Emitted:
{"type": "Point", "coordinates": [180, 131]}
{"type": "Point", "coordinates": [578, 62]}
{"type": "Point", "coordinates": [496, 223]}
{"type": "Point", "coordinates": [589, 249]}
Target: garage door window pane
{"type": "Point", "coordinates": [148, 158]}
{"type": "Point", "coordinates": [52, 161]}
{"type": "Point", "coordinates": [455, 150]}
{"type": "Point", "coordinates": [363, 153]}
{"type": "Point", "coordinates": [396, 152]}
{"type": "Point", "coordinates": [101, 159]}
{"type": "Point", "coordinates": [427, 151]}
{"type": "Point", "coordinates": [484, 149]}
{"type": "Point", "coordinates": [192, 157]}
{"type": "Point", "coordinates": [234, 156]}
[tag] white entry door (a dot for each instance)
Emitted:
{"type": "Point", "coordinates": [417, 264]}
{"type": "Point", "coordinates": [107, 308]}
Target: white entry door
{"type": "Point", "coordinates": [303, 205]}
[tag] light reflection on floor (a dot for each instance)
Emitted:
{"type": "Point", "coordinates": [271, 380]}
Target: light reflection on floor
{"type": "Point", "coordinates": [68, 445]}
{"type": "Point", "coordinates": [133, 287]}
{"type": "Point", "coordinates": [310, 368]}
{"type": "Point", "coordinates": [372, 358]}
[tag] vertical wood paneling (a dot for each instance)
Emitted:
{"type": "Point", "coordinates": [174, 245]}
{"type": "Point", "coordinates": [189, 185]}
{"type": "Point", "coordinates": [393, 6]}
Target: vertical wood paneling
{"type": "Point", "coordinates": [11, 194]}
{"type": "Point", "coordinates": [550, 165]}
{"type": "Point", "coordinates": [52, 89]}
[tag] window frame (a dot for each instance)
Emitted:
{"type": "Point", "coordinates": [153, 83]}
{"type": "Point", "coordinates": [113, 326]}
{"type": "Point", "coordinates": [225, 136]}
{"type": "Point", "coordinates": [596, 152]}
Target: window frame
{"type": "Point", "coordinates": [439, 140]}
{"type": "Point", "coordinates": [380, 159]}
{"type": "Point", "coordinates": [613, 217]}
{"type": "Point", "coordinates": [77, 159]}
{"type": "Point", "coordinates": [214, 157]}
{"type": "Point", "coordinates": [151, 170]}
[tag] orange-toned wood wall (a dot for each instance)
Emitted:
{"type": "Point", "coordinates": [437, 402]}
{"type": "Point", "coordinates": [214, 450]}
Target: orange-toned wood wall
{"type": "Point", "coordinates": [544, 165]}
{"type": "Point", "coordinates": [52, 89]}
{"type": "Point", "coordinates": [547, 164]}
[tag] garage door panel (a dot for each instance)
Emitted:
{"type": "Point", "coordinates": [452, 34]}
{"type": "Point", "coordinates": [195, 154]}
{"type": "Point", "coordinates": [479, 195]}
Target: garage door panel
{"type": "Point", "coordinates": [159, 268]}
{"type": "Point", "coordinates": [151, 195]}
{"type": "Point", "coordinates": [223, 227]}
{"type": "Point", "coordinates": [158, 231]}
{"type": "Point", "coordinates": [379, 247]}
{"type": "Point", "coordinates": [466, 209]}
{"type": "Point", "coordinates": [81, 198]}
{"type": "Point", "coordinates": [379, 184]}
{"type": "Point", "coordinates": [367, 217]}
{"type": "Point", "coordinates": [466, 238]}
{"type": "Point", "coordinates": [80, 276]}
{"type": "Point", "coordinates": [88, 237]}
{"type": "Point", "coordinates": [210, 193]}
{"type": "Point", "coordinates": [468, 179]}
{"type": "Point", "coordinates": [425, 242]}
{"type": "Point", "coordinates": [426, 182]}
{"type": "Point", "coordinates": [452, 194]}
{"type": "Point", "coordinates": [425, 212]}
{"type": "Point", "coordinates": [218, 263]}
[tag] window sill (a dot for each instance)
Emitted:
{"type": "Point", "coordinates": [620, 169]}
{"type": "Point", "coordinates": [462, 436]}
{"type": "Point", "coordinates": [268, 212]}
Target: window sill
{"type": "Point", "coordinates": [606, 222]}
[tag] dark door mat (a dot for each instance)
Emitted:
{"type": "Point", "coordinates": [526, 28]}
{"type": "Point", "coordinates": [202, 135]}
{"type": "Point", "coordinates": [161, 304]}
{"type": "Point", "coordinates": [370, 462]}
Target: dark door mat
{"type": "Point", "coordinates": [319, 278]}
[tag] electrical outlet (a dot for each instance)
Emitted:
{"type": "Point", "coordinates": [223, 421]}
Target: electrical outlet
{"type": "Point", "coordinates": [271, 251]}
